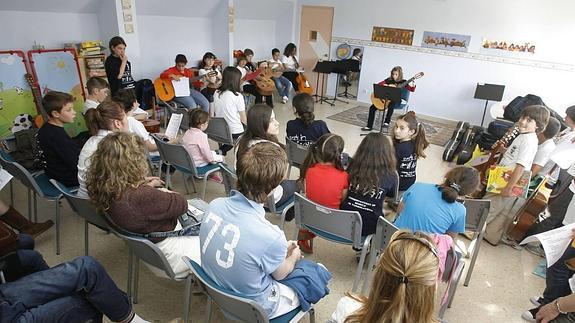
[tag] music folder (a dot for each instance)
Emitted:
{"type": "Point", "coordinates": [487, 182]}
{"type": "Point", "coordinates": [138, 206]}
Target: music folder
{"type": "Point", "coordinates": [390, 93]}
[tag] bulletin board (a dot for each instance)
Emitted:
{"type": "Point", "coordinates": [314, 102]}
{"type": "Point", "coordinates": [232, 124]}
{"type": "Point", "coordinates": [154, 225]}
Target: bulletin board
{"type": "Point", "coordinates": [58, 70]}
{"type": "Point", "coordinates": [17, 107]}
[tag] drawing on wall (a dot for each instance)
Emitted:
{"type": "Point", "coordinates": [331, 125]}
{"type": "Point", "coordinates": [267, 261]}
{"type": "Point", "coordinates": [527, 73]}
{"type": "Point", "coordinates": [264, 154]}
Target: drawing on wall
{"type": "Point", "coordinates": [129, 28]}
{"type": "Point", "coordinates": [126, 4]}
{"type": "Point", "coordinates": [392, 35]}
{"type": "Point", "coordinates": [17, 108]}
{"type": "Point", "coordinates": [56, 70]}
{"type": "Point", "coordinates": [445, 41]}
{"type": "Point", "coordinates": [509, 46]}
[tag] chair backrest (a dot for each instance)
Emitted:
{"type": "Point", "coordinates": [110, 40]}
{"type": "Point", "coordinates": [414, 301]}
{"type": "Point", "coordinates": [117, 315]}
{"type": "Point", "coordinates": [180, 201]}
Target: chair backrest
{"type": "Point", "coordinates": [143, 248]}
{"type": "Point", "coordinates": [336, 225]}
{"type": "Point", "coordinates": [476, 212]}
{"type": "Point", "coordinates": [383, 233]}
{"type": "Point", "coordinates": [18, 171]}
{"type": "Point", "coordinates": [9, 143]}
{"type": "Point", "coordinates": [295, 153]}
{"type": "Point", "coordinates": [81, 206]}
{"type": "Point", "coordinates": [229, 177]}
{"type": "Point", "coordinates": [219, 131]}
{"type": "Point", "coordinates": [235, 306]}
{"type": "Point", "coordinates": [405, 94]}
{"type": "Point", "coordinates": [175, 155]}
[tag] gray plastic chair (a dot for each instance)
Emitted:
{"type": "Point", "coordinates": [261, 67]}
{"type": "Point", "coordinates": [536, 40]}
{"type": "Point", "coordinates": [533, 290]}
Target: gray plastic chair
{"type": "Point", "coordinates": [237, 307]}
{"type": "Point", "coordinates": [147, 251]}
{"type": "Point", "coordinates": [84, 209]}
{"type": "Point", "coordinates": [296, 154]}
{"type": "Point", "coordinates": [219, 131]}
{"type": "Point", "coordinates": [39, 184]}
{"type": "Point", "coordinates": [230, 180]}
{"type": "Point", "coordinates": [338, 226]}
{"type": "Point", "coordinates": [383, 233]}
{"type": "Point", "coordinates": [176, 155]}
{"type": "Point", "coordinates": [475, 220]}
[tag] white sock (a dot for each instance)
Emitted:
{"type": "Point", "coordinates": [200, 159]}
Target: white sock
{"type": "Point", "coordinates": [138, 319]}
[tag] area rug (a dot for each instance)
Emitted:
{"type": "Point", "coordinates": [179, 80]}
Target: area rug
{"type": "Point", "coordinates": [438, 131]}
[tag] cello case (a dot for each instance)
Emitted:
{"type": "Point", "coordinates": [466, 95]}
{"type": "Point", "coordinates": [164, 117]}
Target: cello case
{"type": "Point", "coordinates": [454, 142]}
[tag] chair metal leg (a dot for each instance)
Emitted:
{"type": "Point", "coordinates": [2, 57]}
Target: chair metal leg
{"type": "Point", "coordinates": [205, 179]}
{"type": "Point", "coordinates": [473, 259]}
{"type": "Point", "coordinates": [130, 265]}
{"type": "Point", "coordinates": [2, 279]}
{"type": "Point", "coordinates": [35, 208]}
{"type": "Point", "coordinates": [136, 277]}
{"type": "Point", "coordinates": [359, 269]}
{"type": "Point", "coordinates": [168, 177]}
{"type": "Point", "coordinates": [11, 194]}
{"type": "Point", "coordinates": [311, 315]}
{"type": "Point", "coordinates": [186, 184]}
{"type": "Point", "coordinates": [188, 299]}
{"type": "Point", "coordinates": [209, 310]}
{"type": "Point", "coordinates": [58, 226]}
{"type": "Point", "coordinates": [452, 294]}
{"type": "Point", "coordinates": [30, 204]}
{"type": "Point", "coordinates": [86, 238]}
{"type": "Point", "coordinates": [289, 171]}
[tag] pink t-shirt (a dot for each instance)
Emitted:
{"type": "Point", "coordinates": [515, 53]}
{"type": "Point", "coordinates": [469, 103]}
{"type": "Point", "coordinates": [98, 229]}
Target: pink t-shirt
{"type": "Point", "coordinates": [196, 143]}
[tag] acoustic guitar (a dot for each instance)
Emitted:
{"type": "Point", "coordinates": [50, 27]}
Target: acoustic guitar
{"type": "Point", "coordinates": [529, 212]}
{"type": "Point", "coordinates": [165, 89]}
{"type": "Point", "coordinates": [264, 83]}
{"type": "Point", "coordinates": [494, 155]}
{"type": "Point", "coordinates": [301, 81]}
{"type": "Point", "coordinates": [380, 104]}
{"type": "Point", "coordinates": [42, 115]}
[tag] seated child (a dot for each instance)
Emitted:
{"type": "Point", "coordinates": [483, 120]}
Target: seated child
{"type": "Point", "coordinates": [305, 130]}
{"type": "Point", "coordinates": [435, 208]}
{"type": "Point", "coordinates": [242, 251]}
{"type": "Point", "coordinates": [196, 143]}
{"type": "Point", "coordinates": [98, 91]}
{"type": "Point", "coordinates": [59, 153]}
{"type": "Point", "coordinates": [541, 163]}
{"type": "Point", "coordinates": [127, 99]}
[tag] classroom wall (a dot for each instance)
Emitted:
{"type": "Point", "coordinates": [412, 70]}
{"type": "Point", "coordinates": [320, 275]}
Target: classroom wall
{"type": "Point", "coordinates": [447, 89]}
{"type": "Point", "coordinates": [162, 38]}
{"type": "Point", "coordinates": [258, 35]}
{"type": "Point", "coordinates": [21, 28]}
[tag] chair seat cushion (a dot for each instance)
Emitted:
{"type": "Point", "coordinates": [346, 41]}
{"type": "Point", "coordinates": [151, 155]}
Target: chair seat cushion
{"type": "Point", "coordinates": [47, 188]}
{"type": "Point", "coordinates": [329, 236]}
{"type": "Point", "coordinates": [204, 169]}
{"type": "Point", "coordinates": [286, 317]}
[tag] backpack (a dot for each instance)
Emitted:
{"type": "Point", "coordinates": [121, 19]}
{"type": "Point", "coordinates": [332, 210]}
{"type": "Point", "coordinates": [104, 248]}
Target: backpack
{"type": "Point", "coordinates": [145, 94]}
{"type": "Point", "coordinates": [514, 108]}
{"type": "Point", "coordinates": [27, 152]}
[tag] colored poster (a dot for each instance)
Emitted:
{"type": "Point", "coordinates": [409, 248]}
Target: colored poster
{"type": "Point", "coordinates": [509, 46]}
{"type": "Point", "coordinates": [392, 35]}
{"type": "Point", "coordinates": [17, 107]}
{"type": "Point", "coordinates": [445, 41]}
{"type": "Point", "coordinates": [56, 70]}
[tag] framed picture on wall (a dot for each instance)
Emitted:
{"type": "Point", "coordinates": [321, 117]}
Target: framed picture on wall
{"type": "Point", "coordinates": [392, 35]}
{"type": "Point", "coordinates": [507, 45]}
{"type": "Point", "coordinates": [445, 41]}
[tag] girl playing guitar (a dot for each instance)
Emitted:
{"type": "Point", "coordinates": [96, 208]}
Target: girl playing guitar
{"type": "Point", "coordinates": [395, 79]}
{"type": "Point", "coordinates": [211, 82]}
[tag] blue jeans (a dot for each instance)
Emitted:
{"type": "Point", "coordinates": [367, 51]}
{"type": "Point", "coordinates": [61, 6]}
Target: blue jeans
{"type": "Point", "coordinates": [75, 291]}
{"type": "Point", "coordinates": [195, 98]}
{"type": "Point", "coordinates": [557, 277]}
{"type": "Point", "coordinates": [283, 85]}
{"type": "Point", "coordinates": [25, 261]}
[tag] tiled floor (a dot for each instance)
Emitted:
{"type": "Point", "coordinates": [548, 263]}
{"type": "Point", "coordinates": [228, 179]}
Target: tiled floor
{"type": "Point", "coordinates": [499, 290]}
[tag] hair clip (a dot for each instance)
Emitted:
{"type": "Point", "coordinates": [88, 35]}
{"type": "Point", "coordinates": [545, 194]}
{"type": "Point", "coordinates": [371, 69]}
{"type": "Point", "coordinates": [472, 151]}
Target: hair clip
{"type": "Point", "coordinates": [404, 280]}
{"type": "Point", "coordinates": [455, 186]}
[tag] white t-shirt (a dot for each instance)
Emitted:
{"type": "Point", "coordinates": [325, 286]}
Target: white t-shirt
{"type": "Point", "coordinates": [289, 62]}
{"type": "Point", "coordinates": [522, 151]}
{"type": "Point", "coordinates": [89, 104]}
{"type": "Point", "coordinates": [273, 64]}
{"type": "Point", "coordinates": [84, 159]}
{"type": "Point", "coordinates": [544, 151]}
{"type": "Point", "coordinates": [216, 79]}
{"type": "Point", "coordinates": [138, 128]}
{"type": "Point", "coordinates": [244, 72]}
{"type": "Point", "coordinates": [228, 105]}
{"type": "Point", "coordinates": [345, 307]}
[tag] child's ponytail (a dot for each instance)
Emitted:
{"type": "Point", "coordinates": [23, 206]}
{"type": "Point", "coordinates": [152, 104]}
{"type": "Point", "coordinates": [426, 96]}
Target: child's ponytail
{"type": "Point", "coordinates": [421, 142]}
{"type": "Point", "coordinates": [327, 149]}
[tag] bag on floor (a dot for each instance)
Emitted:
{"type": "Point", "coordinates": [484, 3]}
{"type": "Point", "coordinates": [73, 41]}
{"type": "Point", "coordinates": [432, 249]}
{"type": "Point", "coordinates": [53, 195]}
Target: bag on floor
{"type": "Point", "coordinates": [27, 152]}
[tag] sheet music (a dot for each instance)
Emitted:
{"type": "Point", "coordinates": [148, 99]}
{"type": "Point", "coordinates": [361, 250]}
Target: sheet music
{"type": "Point", "coordinates": [5, 178]}
{"type": "Point", "coordinates": [174, 125]}
{"type": "Point", "coordinates": [554, 242]}
{"type": "Point", "coordinates": [181, 87]}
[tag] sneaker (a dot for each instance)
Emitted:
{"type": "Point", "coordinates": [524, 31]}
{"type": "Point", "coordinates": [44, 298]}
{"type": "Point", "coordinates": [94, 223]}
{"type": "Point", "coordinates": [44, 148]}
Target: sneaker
{"type": "Point", "coordinates": [216, 177]}
{"type": "Point", "coordinates": [529, 316]}
{"type": "Point", "coordinates": [285, 99]}
{"type": "Point", "coordinates": [511, 243]}
{"type": "Point", "coordinates": [366, 129]}
{"type": "Point", "coordinates": [536, 250]}
{"type": "Point", "coordinates": [536, 300]}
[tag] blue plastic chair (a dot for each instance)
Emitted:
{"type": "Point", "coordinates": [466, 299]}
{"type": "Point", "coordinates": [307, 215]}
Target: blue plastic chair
{"type": "Point", "coordinates": [40, 184]}
{"type": "Point", "coordinates": [236, 306]}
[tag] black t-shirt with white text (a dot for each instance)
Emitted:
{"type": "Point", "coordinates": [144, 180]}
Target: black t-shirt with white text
{"type": "Point", "coordinates": [305, 136]}
{"type": "Point", "coordinates": [406, 163]}
{"type": "Point", "coordinates": [112, 65]}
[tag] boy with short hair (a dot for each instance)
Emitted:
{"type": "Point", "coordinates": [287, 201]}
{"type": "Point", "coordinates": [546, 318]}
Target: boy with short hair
{"type": "Point", "coordinates": [178, 71]}
{"type": "Point", "coordinates": [59, 153]}
{"type": "Point", "coordinates": [98, 91]}
{"type": "Point", "coordinates": [240, 249]}
{"type": "Point", "coordinates": [541, 163]}
{"type": "Point", "coordinates": [519, 155]}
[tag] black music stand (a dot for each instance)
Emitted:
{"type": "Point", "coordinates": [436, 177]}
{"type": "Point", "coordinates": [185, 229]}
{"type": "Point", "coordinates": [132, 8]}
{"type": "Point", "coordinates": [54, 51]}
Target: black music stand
{"type": "Point", "coordinates": [352, 65]}
{"type": "Point", "coordinates": [322, 68]}
{"type": "Point", "coordinates": [340, 67]}
{"type": "Point", "coordinates": [488, 92]}
{"type": "Point", "coordinates": [391, 93]}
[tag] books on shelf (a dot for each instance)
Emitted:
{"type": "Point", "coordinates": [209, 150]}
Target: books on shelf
{"type": "Point", "coordinates": [499, 177]}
